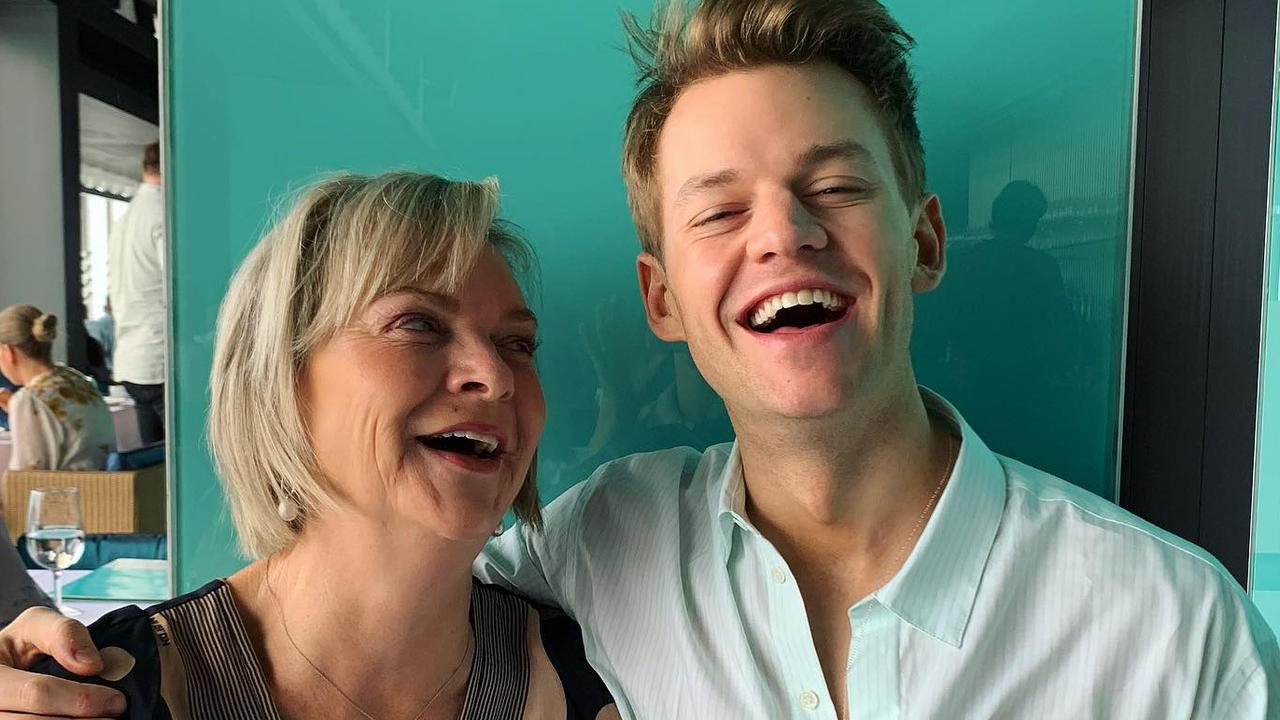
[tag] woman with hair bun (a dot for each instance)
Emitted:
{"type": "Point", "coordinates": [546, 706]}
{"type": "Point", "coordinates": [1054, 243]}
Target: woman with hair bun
{"type": "Point", "coordinates": [58, 420]}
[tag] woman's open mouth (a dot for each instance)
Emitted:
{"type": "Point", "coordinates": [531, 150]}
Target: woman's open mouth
{"type": "Point", "coordinates": [476, 451]}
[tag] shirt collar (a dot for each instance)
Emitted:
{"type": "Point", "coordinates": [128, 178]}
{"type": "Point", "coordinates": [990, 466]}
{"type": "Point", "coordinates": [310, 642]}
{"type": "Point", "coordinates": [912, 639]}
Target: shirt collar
{"type": "Point", "coordinates": [937, 586]}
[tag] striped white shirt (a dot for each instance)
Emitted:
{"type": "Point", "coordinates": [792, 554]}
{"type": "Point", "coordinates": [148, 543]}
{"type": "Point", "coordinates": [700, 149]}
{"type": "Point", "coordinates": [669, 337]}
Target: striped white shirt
{"type": "Point", "coordinates": [1026, 597]}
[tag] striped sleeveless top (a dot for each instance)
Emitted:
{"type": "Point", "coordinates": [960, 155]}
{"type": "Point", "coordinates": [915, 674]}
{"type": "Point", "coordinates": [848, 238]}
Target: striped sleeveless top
{"type": "Point", "coordinates": [193, 660]}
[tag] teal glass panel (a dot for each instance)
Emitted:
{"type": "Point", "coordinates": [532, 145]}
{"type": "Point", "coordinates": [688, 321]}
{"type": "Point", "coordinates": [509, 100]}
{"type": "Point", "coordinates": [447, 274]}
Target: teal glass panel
{"type": "Point", "coordinates": [1265, 581]}
{"type": "Point", "coordinates": [265, 96]}
{"type": "Point", "coordinates": [1027, 113]}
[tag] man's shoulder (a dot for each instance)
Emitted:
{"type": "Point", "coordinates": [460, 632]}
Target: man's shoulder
{"type": "Point", "coordinates": [1099, 526]}
{"type": "Point", "coordinates": [1124, 556]}
{"type": "Point", "coordinates": [643, 489]}
{"type": "Point", "coordinates": [1148, 576]}
{"type": "Point", "coordinates": [660, 470]}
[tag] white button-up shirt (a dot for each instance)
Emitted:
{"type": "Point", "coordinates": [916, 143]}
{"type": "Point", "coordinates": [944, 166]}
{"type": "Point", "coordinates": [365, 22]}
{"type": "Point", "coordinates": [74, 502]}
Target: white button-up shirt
{"type": "Point", "coordinates": [1026, 597]}
{"type": "Point", "coordinates": [135, 284]}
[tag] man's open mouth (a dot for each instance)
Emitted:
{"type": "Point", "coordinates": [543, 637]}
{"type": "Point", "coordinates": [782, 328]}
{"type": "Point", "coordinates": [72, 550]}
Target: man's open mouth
{"type": "Point", "coordinates": [464, 442]}
{"type": "Point", "coordinates": [797, 309]}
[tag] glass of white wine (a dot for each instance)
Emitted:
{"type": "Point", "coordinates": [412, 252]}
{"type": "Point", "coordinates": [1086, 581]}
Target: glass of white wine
{"type": "Point", "coordinates": [55, 534]}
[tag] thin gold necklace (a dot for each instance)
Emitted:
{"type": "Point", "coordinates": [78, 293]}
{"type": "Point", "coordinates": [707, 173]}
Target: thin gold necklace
{"type": "Point", "coordinates": [953, 455]}
{"type": "Point", "coordinates": [275, 599]}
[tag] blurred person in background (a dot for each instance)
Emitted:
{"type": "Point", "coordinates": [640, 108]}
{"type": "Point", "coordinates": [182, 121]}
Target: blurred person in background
{"type": "Point", "coordinates": [58, 420]}
{"type": "Point", "coordinates": [135, 281]}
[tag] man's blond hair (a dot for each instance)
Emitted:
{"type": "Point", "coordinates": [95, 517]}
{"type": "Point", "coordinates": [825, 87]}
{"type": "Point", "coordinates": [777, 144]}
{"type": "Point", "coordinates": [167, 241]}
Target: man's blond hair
{"type": "Point", "coordinates": [679, 47]}
{"type": "Point", "coordinates": [344, 242]}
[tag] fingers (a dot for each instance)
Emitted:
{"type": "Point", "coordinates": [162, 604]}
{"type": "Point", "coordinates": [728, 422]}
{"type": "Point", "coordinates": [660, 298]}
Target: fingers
{"type": "Point", "coordinates": [44, 631]}
{"type": "Point", "coordinates": [44, 696]}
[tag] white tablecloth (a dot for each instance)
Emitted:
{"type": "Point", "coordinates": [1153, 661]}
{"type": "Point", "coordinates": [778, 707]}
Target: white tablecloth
{"type": "Point", "coordinates": [123, 414]}
{"type": "Point", "coordinates": [91, 609]}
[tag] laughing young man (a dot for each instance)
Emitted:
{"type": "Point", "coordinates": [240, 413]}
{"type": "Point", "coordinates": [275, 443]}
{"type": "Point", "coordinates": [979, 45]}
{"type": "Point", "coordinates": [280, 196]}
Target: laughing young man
{"type": "Point", "coordinates": [858, 551]}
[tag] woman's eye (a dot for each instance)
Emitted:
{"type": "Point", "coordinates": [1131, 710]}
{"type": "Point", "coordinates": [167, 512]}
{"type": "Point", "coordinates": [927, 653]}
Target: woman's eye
{"type": "Point", "coordinates": [420, 323]}
{"type": "Point", "coordinates": [524, 345]}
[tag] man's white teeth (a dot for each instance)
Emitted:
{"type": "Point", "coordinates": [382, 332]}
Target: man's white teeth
{"type": "Point", "coordinates": [488, 443]}
{"type": "Point", "coordinates": [769, 307]}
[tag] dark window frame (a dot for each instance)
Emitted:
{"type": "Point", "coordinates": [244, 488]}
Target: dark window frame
{"type": "Point", "coordinates": [1197, 264]}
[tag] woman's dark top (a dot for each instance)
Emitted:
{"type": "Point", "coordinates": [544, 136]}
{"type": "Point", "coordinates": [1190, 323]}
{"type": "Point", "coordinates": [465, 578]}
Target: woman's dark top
{"type": "Point", "coordinates": [192, 660]}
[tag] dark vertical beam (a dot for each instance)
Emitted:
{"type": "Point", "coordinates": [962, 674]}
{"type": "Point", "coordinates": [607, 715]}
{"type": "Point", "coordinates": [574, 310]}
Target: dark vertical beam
{"type": "Point", "coordinates": [1204, 111]}
{"type": "Point", "coordinates": [69, 101]}
{"type": "Point", "coordinates": [1239, 276]}
{"type": "Point", "coordinates": [1176, 163]}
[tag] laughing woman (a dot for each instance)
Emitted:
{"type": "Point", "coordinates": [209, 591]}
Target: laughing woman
{"type": "Point", "coordinates": [375, 411]}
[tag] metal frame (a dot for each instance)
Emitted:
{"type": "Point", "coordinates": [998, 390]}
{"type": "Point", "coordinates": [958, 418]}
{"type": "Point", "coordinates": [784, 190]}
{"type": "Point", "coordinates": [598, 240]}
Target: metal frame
{"type": "Point", "coordinates": [1196, 270]}
{"type": "Point", "coordinates": [104, 56]}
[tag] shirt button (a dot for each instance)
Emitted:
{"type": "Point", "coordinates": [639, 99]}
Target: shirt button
{"type": "Point", "coordinates": [778, 575]}
{"type": "Point", "coordinates": [809, 700]}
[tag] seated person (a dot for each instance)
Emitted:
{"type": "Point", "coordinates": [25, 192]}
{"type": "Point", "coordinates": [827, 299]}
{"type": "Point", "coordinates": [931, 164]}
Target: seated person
{"type": "Point", "coordinates": [58, 420]}
{"type": "Point", "coordinates": [7, 389]}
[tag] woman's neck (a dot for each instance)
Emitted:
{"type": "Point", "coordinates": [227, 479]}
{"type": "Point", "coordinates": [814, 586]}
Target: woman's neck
{"type": "Point", "coordinates": [30, 370]}
{"type": "Point", "coordinates": [383, 612]}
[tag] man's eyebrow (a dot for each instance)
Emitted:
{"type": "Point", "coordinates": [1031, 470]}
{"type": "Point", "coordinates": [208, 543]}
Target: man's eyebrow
{"type": "Point", "coordinates": [702, 183]}
{"type": "Point", "coordinates": [839, 150]}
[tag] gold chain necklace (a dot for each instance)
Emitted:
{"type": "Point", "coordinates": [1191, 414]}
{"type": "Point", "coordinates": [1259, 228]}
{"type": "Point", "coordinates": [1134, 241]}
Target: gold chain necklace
{"type": "Point", "coordinates": [275, 599]}
{"type": "Point", "coordinates": [953, 455]}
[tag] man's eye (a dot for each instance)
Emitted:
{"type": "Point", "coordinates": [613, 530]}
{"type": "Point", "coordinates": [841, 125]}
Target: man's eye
{"type": "Point", "coordinates": [717, 216]}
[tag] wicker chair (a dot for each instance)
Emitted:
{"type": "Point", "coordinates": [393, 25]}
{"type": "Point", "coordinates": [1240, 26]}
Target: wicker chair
{"type": "Point", "coordinates": [129, 501]}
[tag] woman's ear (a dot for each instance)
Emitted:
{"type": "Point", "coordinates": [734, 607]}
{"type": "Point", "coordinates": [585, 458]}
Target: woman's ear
{"type": "Point", "coordinates": [660, 308]}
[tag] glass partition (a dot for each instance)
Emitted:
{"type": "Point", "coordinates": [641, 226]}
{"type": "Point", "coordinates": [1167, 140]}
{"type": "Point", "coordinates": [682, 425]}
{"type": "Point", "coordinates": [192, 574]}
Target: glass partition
{"type": "Point", "coordinates": [1265, 582]}
{"type": "Point", "coordinates": [1028, 104]}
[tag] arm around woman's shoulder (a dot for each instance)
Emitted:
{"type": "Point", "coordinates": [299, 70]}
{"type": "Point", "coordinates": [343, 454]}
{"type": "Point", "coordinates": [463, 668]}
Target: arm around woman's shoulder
{"type": "Point", "coordinates": [127, 642]}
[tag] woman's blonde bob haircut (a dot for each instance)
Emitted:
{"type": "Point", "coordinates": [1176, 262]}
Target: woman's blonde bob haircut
{"type": "Point", "coordinates": [345, 241]}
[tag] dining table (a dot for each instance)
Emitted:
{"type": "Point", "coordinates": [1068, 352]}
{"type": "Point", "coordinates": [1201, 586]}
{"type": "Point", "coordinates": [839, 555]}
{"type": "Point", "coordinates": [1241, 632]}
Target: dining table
{"type": "Point", "coordinates": [90, 610]}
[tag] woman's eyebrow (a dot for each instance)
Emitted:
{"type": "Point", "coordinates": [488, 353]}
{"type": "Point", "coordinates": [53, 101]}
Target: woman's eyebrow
{"type": "Point", "coordinates": [524, 315]}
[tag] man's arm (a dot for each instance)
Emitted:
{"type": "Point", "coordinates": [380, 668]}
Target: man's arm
{"type": "Point", "coordinates": [539, 564]}
{"type": "Point", "coordinates": [41, 631]}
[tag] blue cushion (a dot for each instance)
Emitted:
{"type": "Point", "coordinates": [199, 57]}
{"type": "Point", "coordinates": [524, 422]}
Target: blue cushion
{"type": "Point", "coordinates": [136, 459]}
{"type": "Point", "coordinates": [102, 548]}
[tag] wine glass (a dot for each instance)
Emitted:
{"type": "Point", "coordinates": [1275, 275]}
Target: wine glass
{"type": "Point", "coordinates": [55, 534]}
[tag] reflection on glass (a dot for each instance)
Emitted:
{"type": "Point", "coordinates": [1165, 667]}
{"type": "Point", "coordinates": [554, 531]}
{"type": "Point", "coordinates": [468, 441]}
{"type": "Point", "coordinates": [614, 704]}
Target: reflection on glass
{"type": "Point", "coordinates": [470, 90]}
{"type": "Point", "coordinates": [1027, 142]}
{"type": "Point", "coordinates": [1265, 585]}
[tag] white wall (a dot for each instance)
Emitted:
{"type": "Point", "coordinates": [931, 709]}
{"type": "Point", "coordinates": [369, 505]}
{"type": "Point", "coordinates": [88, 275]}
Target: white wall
{"type": "Point", "coordinates": [31, 251]}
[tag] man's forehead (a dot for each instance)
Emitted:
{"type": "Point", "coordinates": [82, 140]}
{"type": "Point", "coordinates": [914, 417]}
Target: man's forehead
{"type": "Point", "coordinates": [790, 116]}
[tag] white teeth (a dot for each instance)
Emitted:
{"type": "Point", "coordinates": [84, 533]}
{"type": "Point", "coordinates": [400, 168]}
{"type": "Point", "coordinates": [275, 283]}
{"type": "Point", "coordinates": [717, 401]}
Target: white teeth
{"type": "Point", "coordinates": [768, 308]}
{"type": "Point", "coordinates": [488, 443]}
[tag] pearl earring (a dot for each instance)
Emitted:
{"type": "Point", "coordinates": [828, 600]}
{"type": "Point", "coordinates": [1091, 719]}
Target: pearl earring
{"type": "Point", "coordinates": [497, 532]}
{"type": "Point", "coordinates": [287, 511]}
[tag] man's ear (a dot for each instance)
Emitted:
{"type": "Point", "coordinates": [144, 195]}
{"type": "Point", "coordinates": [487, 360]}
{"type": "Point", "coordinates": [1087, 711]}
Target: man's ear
{"type": "Point", "coordinates": [931, 245]}
{"type": "Point", "coordinates": [659, 305]}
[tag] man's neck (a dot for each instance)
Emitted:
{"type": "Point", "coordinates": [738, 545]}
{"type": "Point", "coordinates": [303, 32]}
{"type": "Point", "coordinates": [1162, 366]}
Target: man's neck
{"type": "Point", "coordinates": [851, 488]}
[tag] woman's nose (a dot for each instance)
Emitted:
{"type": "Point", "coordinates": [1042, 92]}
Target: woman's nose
{"type": "Point", "coordinates": [477, 369]}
